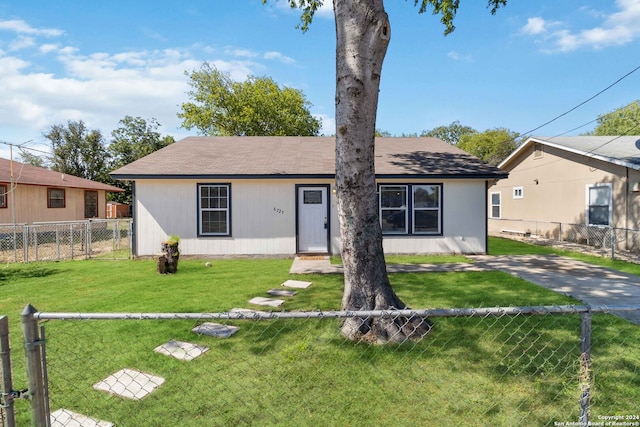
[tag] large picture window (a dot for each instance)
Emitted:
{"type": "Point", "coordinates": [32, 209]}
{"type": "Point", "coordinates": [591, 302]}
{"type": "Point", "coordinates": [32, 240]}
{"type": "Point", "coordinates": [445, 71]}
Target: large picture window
{"type": "Point", "coordinates": [411, 208]}
{"type": "Point", "coordinates": [599, 204]}
{"type": "Point", "coordinates": [55, 198]}
{"type": "Point", "coordinates": [214, 209]}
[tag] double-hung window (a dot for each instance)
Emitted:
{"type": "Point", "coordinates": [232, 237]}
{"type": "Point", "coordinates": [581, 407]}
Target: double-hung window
{"type": "Point", "coordinates": [214, 208]}
{"type": "Point", "coordinates": [599, 204]}
{"type": "Point", "coordinates": [410, 208]}
{"type": "Point", "coordinates": [55, 198]}
{"type": "Point", "coordinates": [495, 205]}
{"type": "Point", "coordinates": [91, 204]}
{"type": "Point", "coordinates": [3, 196]}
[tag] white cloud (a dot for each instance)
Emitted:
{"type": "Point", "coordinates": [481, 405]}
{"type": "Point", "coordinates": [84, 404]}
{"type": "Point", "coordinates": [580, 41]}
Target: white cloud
{"type": "Point", "coordinates": [48, 47]}
{"type": "Point", "coordinates": [618, 28]}
{"type": "Point", "coordinates": [240, 53]}
{"type": "Point", "coordinates": [22, 42]}
{"type": "Point", "coordinates": [328, 124]}
{"type": "Point", "coordinates": [458, 57]}
{"type": "Point", "coordinates": [99, 88]}
{"type": "Point", "coordinates": [534, 26]}
{"type": "Point", "coordinates": [279, 57]}
{"type": "Point", "coordinates": [21, 27]}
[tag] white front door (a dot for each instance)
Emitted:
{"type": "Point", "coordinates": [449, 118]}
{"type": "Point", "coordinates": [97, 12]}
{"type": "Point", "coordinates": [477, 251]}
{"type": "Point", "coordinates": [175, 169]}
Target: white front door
{"type": "Point", "coordinates": [313, 220]}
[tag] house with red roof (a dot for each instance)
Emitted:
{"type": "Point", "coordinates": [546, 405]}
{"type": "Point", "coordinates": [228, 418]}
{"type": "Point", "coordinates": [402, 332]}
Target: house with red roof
{"type": "Point", "coordinates": [30, 194]}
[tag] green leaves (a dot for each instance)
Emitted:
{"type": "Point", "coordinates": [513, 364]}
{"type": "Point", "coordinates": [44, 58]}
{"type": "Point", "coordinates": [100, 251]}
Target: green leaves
{"type": "Point", "coordinates": [492, 146]}
{"type": "Point", "coordinates": [78, 151]}
{"type": "Point", "coordinates": [623, 121]}
{"type": "Point", "coordinates": [256, 107]}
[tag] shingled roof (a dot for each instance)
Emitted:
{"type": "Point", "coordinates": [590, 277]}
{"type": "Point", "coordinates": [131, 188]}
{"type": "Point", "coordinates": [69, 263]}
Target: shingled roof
{"type": "Point", "coordinates": [619, 150]}
{"type": "Point", "coordinates": [287, 157]}
{"type": "Point", "coordinates": [24, 174]}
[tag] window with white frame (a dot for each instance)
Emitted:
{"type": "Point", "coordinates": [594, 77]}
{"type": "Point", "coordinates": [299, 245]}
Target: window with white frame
{"type": "Point", "coordinates": [495, 204]}
{"type": "Point", "coordinates": [410, 208]}
{"type": "Point", "coordinates": [214, 207]}
{"type": "Point", "coordinates": [518, 192]}
{"type": "Point", "coordinates": [599, 204]}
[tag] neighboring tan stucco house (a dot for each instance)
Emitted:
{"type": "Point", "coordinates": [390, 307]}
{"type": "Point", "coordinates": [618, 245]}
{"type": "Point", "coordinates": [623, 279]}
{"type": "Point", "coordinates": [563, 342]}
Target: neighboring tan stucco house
{"type": "Point", "coordinates": [276, 196]}
{"type": "Point", "coordinates": [584, 180]}
{"type": "Point", "coordinates": [43, 195]}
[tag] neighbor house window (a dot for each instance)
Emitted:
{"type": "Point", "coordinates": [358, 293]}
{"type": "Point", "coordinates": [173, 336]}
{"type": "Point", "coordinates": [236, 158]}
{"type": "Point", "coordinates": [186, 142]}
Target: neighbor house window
{"type": "Point", "coordinates": [3, 196]}
{"type": "Point", "coordinates": [90, 204]}
{"type": "Point", "coordinates": [411, 208]}
{"type": "Point", "coordinates": [599, 204]}
{"type": "Point", "coordinates": [518, 192]}
{"type": "Point", "coordinates": [495, 204]}
{"type": "Point", "coordinates": [55, 198]}
{"type": "Point", "coordinates": [214, 209]}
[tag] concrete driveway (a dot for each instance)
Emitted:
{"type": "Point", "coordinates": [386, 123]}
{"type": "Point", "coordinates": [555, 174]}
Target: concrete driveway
{"type": "Point", "coordinates": [588, 283]}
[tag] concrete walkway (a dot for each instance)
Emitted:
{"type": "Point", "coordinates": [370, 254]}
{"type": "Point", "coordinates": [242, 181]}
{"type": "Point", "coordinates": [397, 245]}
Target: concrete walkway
{"type": "Point", "coordinates": [585, 282]}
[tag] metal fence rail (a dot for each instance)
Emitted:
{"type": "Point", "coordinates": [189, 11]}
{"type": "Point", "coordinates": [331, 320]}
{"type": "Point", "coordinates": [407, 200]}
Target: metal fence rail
{"type": "Point", "coordinates": [95, 238]}
{"type": "Point", "coordinates": [553, 364]}
{"type": "Point", "coordinates": [609, 241]}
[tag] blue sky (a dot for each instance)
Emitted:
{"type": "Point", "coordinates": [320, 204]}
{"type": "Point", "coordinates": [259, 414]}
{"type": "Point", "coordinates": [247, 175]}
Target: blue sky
{"type": "Point", "coordinates": [94, 61]}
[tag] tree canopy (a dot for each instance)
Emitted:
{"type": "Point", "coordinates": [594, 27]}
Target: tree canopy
{"type": "Point", "coordinates": [491, 146]}
{"type": "Point", "coordinates": [623, 121]}
{"type": "Point", "coordinates": [134, 139]}
{"type": "Point", "coordinates": [79, 151]}
{"type": "Point", "coordinates": [255, 107]}
{"type": "Point", "coordinates": [451, 133]}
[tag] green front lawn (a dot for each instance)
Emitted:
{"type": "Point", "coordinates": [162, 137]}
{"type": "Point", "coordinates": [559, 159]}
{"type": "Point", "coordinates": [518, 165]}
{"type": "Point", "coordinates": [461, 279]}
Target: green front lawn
{"type": "Point", "coordinates": [505, 371]}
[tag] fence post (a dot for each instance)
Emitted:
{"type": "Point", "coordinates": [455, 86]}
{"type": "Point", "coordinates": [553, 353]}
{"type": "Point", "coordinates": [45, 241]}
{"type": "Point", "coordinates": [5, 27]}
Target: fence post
{"type": "Point", "coordinates": [71, 239]}
{"type": "Point", "coordinates": [33, 350]}
{"type": "Point", "coordinates": [585, 367]}
{"type": "Point", "coordinates": [613, 243]}
{"type": "Point", "coordinates": [25, 243]}
{"type": "Point", "coordinates": [7, 383]}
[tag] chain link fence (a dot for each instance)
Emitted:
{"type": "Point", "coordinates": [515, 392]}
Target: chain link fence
{"type": "Point", "coordinates": [608, 241]}
{"type": "Point", "coordinates": [96, 238]}
{"type": "Point", "coordinates": [553, 365]}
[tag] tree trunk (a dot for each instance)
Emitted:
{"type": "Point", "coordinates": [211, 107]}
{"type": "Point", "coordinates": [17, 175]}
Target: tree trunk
{"type": "Point", "coordinates": [168, 261]}
{"type": "Point", "coordinates": [362, 35]}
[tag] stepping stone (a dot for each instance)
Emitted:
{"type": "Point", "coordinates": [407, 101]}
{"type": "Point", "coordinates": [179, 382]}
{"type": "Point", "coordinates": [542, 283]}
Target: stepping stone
{"type": "Point", "coordinates": [266, 301]}
{"type": "Point", "coordinates": [215, 330]}
{"type": "Point", "coordinates": [67, 418]}
{"type": "Point", "coordinates": [129, 383]}
{"type": "Point", "coordinates": [281, 292]}
{"type": "Point", "coordinates": [181, 350]}
{"type": "Point", "coordinates": [296, 284]}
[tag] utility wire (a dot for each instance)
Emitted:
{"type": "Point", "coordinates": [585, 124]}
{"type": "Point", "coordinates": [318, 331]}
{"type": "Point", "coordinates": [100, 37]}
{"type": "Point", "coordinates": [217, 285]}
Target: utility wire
{"type": "Point", "coordinates": [583, 102]}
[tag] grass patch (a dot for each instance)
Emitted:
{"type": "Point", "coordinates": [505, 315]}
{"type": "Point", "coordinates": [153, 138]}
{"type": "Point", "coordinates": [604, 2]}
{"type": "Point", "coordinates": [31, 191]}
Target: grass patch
{"type": "Point", "coordinates": [503, 246]}
{"type": "Point", "coordinates": [494, 371]}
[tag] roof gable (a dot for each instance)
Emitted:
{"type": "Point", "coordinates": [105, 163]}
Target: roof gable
{"type": "Point", "coordinates": [299, 157]}
{"type": "Point", "coordinates": [619, 150]}
{"type": "Point", "coordinates": [24, 174]}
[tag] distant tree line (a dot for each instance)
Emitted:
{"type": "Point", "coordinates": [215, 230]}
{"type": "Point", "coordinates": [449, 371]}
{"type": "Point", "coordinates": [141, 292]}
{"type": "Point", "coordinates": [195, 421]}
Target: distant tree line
{"type": "Point", "coordinates": [256, 107]}
{"type": "Point", "coordinates": [79, 151]}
